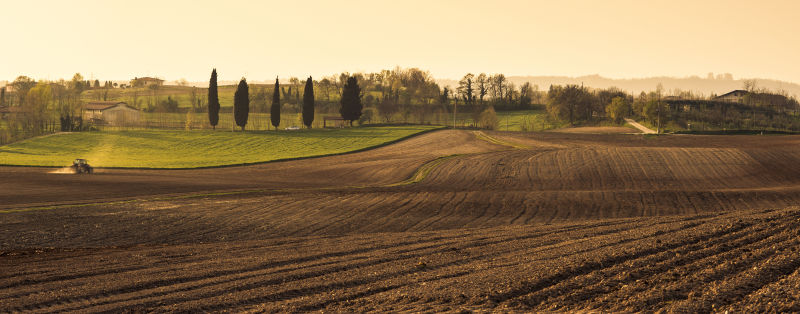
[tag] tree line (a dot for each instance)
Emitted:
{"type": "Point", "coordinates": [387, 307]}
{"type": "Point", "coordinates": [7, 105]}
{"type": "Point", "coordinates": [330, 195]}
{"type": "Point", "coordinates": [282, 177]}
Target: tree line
{"type": "Point", "coordinates": [759, 109]}
{"type": "Point", "coordinates": [407, 95]}
{"type": "Point", "coordinates": [350, 109]}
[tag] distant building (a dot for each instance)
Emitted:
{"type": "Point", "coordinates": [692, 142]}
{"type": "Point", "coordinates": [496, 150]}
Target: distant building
{"type": "Point", "coordinates": [113, 113]}
{"type": "Point", "coordinates": [146, 81]}
{"type": "Point", "coordinates": [6, 112]}
{"type": "Point", "coordinates": [734, 96]}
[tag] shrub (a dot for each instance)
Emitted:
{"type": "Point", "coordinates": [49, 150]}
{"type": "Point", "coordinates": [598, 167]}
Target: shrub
{"type": "Point", "coordinates": [488, 119]}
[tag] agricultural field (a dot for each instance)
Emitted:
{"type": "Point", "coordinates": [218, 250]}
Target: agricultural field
{"type": "Point", "coordinates": [450, 220]}
{"type": "Point", "coordinates": [200, 148]}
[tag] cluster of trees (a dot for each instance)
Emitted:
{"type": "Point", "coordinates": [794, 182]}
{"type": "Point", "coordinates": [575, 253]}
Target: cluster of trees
{"type": "Point", "coordinates": [350, 106]}
{"type": "Point", "coordinates": [497, 91]}
{"type": "Point", "coordinates": [35, 108]}
{"type": "Point", "coordinates": [760, 109]}
{"type": "Point", "coordinates": [406, 95]}
{"type": "Point", "coordinates": [412, 95]}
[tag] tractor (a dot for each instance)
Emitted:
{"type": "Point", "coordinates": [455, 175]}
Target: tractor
{"type": "Point", "coordinates": [81, 166]}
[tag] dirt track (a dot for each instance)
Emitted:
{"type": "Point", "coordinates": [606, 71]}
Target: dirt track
{"type": "Point", "coordinates": [569, 222]}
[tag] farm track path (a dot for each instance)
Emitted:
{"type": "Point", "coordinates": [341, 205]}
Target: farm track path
{"type": "Point", "coordinates": [642, 128]}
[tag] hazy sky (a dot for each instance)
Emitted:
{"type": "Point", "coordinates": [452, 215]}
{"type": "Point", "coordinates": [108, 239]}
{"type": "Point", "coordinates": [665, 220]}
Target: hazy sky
{"type": "Point", "coordinates": [261, 39]}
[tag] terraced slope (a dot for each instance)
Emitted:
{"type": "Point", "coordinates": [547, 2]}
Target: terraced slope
{"type": "Point", "coordinates": [742, 261]}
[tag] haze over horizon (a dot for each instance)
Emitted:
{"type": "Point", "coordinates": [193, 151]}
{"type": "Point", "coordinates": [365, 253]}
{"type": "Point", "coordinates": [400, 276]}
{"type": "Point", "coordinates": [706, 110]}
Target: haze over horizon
{"type": "Point", "coordinates": [614, 39]}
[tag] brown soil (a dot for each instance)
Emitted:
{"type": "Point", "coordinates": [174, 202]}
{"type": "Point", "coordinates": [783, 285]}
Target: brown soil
{"type": "Point", "coordinates": [22, 187]}
{"type": "Point", "coordinates": [571, 222]}
{"type": "Point", "coordinates": [597, 130]}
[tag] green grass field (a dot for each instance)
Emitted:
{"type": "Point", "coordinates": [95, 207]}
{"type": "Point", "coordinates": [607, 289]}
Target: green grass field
{"type": "Point", "coordinates": [525, 120]}
{"type": "Point", "coordinates": [182, 149]}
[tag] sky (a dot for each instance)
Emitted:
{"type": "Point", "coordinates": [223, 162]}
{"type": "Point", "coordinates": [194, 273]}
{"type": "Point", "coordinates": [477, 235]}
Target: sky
{"type": "Point", "coordinates": [259, 40]}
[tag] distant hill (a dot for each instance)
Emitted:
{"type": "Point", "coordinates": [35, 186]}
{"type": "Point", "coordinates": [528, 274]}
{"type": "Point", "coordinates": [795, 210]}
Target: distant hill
{"type": "Point", "coordinates": [697, 85]}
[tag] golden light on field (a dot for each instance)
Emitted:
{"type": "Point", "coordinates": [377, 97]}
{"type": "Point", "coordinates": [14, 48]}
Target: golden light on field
{"type": "Point", "coordinates": [257, 39]}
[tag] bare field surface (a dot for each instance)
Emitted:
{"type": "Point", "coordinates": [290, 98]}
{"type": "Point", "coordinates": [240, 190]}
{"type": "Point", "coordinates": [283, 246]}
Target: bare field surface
{"type": "Point", "coordinates": [597, 130]}
{"type": "Point", "coordinates": [446, 221]}
{"type": "Point", "coordinates": [26, 187]}
{"type": "Point", "coordinates": [744, 261]}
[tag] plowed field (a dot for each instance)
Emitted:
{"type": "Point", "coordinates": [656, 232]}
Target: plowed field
{"type": "Point", "coordinates": [450, 220]}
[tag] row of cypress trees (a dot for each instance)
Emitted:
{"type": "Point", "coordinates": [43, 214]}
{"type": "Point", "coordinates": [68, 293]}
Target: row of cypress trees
{"type": "Point", "coordinates": [350, 110]}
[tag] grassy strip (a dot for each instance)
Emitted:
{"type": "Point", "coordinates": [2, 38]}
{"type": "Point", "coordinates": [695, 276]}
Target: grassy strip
{"type": "Point", "coordinates": [423, 171]}
{"type": "Point", "coordinates": [198, 149]}
{"type": "Point", "coordinates": [483, 136]}
{"type": "Point", "coordinates": [738, 132]}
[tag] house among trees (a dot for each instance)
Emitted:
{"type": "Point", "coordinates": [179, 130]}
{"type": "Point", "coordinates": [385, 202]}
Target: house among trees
{"type": "Point", "coordinates": [736, 96]}
{"type": "Point", "coordinates": [112, 113]}
{"type": "Point", "coordinates": [146, 81]}
{"type": "Point", "coordinates": [7, 112]}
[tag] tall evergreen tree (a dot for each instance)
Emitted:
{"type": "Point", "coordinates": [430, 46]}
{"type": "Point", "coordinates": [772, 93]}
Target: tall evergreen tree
{"type": "Point", "coordinates": [351, 100]}
{"type": "Point", "coordinates": [3, 96]}
{"type": "Point", "coordinates": [275, 109]}
{"type": "Point", "coordinates": [308, 103]}
{"type": "Point", "coordinates": [213, 100]}
{"type": "Point", "coordinates": [241, 103]}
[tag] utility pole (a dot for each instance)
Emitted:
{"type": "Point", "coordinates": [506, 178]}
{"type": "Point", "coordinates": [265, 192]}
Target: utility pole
{"type": "Point", "coordinates": [454, 115]}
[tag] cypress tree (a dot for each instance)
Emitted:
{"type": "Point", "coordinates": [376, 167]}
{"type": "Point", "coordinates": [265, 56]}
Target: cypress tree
{"type": "Point", "coordinates": [275, 109]}
{"type": "Point", "coordinates": [351, 100]}
{"type": "Point", "coordinates": [3, 96]}
{"type": "Point", "coordinates": [308, 103]}
{"type": "Point", "coordinates": [241, 104]}
{"type": "Point", "coordinates": [213, 100]}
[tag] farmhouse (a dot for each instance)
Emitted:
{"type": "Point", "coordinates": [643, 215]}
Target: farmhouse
{"type": "Point", "coordinates": [146, 81]}
{"type": "Point", "coordinates": [113, 113]}
{"type": "Point", "coordinates": [734, 96]}
{"type": "Point", "coordinates": [10, 111]}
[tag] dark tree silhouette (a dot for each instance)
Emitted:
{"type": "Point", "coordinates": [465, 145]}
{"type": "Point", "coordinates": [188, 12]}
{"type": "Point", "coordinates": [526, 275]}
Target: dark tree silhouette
{"type": "Point", "coordinates": [241, 103]}
{"type": "Point", "coordinates": [351, 100]}
{"type": "Point", "coordinates": [308, 103]}
{"type": "Point", "coordinates": [275, 109]}
{"type": "Point", "coordinates": [213, 100]}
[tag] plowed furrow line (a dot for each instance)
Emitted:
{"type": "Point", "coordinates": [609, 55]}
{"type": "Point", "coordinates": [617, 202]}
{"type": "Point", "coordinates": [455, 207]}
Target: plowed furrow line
{"type": "Point", "coordinates": [779, 296]}
{"type": "Point", "coordinates": [453, 209]}
{"type": "Point", "coordinates": [768, 269]}
{"type": "Point", "coordinates": [371, 292]}
{"type": "Point", "coordinates": [373, 208]}
{"type": "Point", "coordinates": [338, 286]}
{"type": "Point", "coordinates": [167, 281]}
{"type": "Point", "coordinates": [237, 282]}
{"type": "Point", "coordinates": [300, 211]}
{"type": "Point", "coordinates": [266, 211]}
{"type": "Point", "coordinates": [432, 240]}
{"type": "Point", "coordinates": [504, 254]}
{"type": "Point", "coordinates": [567, 249]}
{"type": "Point", "coordinates": [336, 212]}
{"type": "Point", "coordinates": [390, 216]}
{"type": "Point", "coordinates": [251, 287]}
{"type": "Point", "coordinates": [623, 277]}
{"type": "Point", "coordinates": [28, 282]}
{"type": "Point", "coordinates": [199, 281]}
{"type": "Point", "coordinates": [437, 215]}
{"type": "Point", "coordinates": [182, 280]}
{"type": "Point", "coordinates": [607, 262]}
{"type": "Point", "coordinates": [682, 285]}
